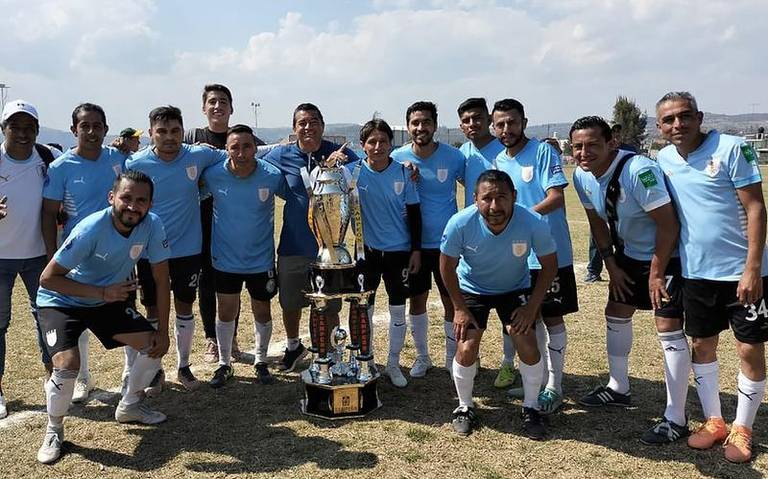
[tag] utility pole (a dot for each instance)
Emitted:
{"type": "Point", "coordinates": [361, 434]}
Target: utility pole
{"type": "Point", "coordinates": [255, 117]}
{"type": "Point", "coordinates": [3, 94]}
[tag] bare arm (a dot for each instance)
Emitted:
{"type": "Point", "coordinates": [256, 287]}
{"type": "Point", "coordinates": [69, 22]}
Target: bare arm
{"type": "Point", "coordinates": [54, 278]}
{"type": "Point", "coordinates": [555, 199]}
{"type": "Point", "coordinates": [48, 225]}
{"type": "Point", "coordinates": [462, 318]}
{"type": "Point", "coordinates": [524, 317]}
{"type": "Point", "coordinates": [619, 281]}
{"type": "Point", "coordinates": [160, 340]}
{"type": "Point", "coordinates": [667, 231]}
{"type": "Point", "coordinates": [751, 286]}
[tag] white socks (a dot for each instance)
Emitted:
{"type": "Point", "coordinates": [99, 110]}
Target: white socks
{"type": "Point", "coordinates": [397, 330]}
{"type": "Point", "coordinates": [130, 357]}
{"type": "Point", "coordinates": [225, 331]}
{"type": "Point", "coordinates": [542, 338]}
{"type": "Point", "coordinates": [464, 379]}
{"type": "Point", "coordinates": [58, 391]}
{"type": "Point", "coordinates": [419, 327]}
{"type": "Point", "coordinates": [83, 346]}
{"type": "Point", "coordinates": [263, 333]}
{"type": "Point", "coordinates": [558, 340]}
{"type": "Point", "coordinates": [751, 394]}
{"type": "Point", "coordinates": [509, 348]}
{"type": "Point", "coordinates": [707, 378]}
{"type": "Point", "coordinates": [450, 343]}
{"type": "Point", "coordinates": [531, 375]}
{"type": "Point", "coordinates": [618, 338]}
{"type": "Point", "coordinates": [185, 331]}
{"type": "Point", "coordinates": [677, 367]}
{"type": "Point", "coordinates": [142, 372]}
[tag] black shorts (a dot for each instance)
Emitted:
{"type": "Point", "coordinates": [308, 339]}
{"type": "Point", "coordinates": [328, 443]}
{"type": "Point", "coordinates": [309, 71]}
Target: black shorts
{"type": "Point", "coordinates": [62, 327]}
{"type": "Point", "coordinates": [393, 267]}
{"type": "Point", "coordinates": [421, 282]}
{"type": "Point", "coordinates": [712, 306]}
{"type": "Point", "coordinates": [185, 275]}
{"type": "Point", "coordinates": [261, 286]}
{"type": "Point", "coordinates": [480, 305]}
{"type": "Point", "coordinates": [561, 298]}
{"type": "Point", "coordinates": [639, 272]}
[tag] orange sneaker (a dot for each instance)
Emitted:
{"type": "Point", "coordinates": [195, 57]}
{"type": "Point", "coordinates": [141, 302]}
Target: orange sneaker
{"type": "Point", "coordinates": [738, 446]}
{"type": "Point", "coordinates": [709, 434]}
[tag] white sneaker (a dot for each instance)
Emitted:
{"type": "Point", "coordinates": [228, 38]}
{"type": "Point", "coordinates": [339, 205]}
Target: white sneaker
{"type": "Point", "coordinates": [138, 412]}
{"type": "Point", "coordinates": [395, 375]}
{"type": "Point", "coordinates": [421, 366]}
{"type": "Point", "coordinates": [50, 450]}
{"type": "Point", "coordinates": [3, 407]}
{"type": "Point", "coordinates": [83, 387]}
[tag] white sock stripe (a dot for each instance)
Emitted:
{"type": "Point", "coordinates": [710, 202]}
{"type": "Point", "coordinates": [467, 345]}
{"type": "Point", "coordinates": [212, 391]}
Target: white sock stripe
{"type": "Point", "coordinates": [617, 320]}
{"type": "Point", "coordinates": [673, 336]}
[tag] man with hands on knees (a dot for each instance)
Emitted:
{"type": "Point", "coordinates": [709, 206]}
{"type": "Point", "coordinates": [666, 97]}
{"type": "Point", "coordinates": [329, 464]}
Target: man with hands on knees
{"type": "Point", "coordinates": [484, 263]}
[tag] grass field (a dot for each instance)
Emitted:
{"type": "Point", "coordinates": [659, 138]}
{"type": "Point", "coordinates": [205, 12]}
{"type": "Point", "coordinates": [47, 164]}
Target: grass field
{"type": "Point", "coordinates": [250, 430]}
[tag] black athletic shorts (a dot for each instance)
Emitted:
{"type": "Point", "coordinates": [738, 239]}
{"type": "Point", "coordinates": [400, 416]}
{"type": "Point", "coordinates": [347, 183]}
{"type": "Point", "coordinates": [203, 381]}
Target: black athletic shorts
{"type": "Point", "coordinates": [260, 286]}
{"type": "Point", "coordinates": [421, 282]}
{"type": "Point", "coordinates": [480, 305]}
{"type": "Point", "coordinates": [712, 306]}
{"type": "Point", "coordinates": [62, 327]}
{"type": "Point", "coordinates": [185, 275]}
{"type": "Point", "coordinates": [639, 272]}
{"type": "Point", "coordinates": [393, 267]}
{"type": "Point", "coordinates": [561, 298]}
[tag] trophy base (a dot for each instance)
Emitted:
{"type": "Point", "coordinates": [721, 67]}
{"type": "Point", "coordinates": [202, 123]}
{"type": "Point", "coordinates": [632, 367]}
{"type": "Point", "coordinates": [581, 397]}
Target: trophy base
{"type": "Point", "coordinates": [339, 401]}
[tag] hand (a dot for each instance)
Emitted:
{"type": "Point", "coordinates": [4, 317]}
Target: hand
{"type": "Point", "coordinates": [121, 146]}
{"type": "Point", "coordinates": [657, 288]}
{"type": "Point", "coordinates": [750, 288]}
{"type": "Point", "coordinates": [120, 291]}
{"type": "Point", "coordinates": [414, 263]}
{"type": "Point", "coordinates": [523, 319]}
{"type": "Point", "coordinates": [207, 145]}
{"type": "Point", "coordinates": [415, 176]}
{"type": "Point", "coordinates": [618, 282]}
{"type": "Point", "coordinates": [338, 157]}
{"type": "Point", "coordinates": [159, 343]}
{"type": "Point", "coordinates": [462, 320]}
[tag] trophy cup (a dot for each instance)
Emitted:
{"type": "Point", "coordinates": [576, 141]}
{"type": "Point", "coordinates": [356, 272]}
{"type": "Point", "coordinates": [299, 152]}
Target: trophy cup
{"type": "Point", "coordinates": [341, 381]}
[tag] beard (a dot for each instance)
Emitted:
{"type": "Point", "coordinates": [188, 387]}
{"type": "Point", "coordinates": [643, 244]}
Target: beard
{"type": "Point", "coordinates": [124, 217]}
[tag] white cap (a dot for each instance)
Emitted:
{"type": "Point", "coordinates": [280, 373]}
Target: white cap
{"type": "Point", "coordinates": [19, 106]}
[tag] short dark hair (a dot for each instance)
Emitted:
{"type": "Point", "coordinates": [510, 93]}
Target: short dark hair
{"type": "Point", "coordinates": [509, 104]}
{"type": "Point", "coordinates": [137, 177]}
{"type": "Point", "coordinates": [376, 124]}
{"type": "Point", "coordinates": [422, 106]}
{"type": "Point", "coordinates": [307, 107]}
{"type": "Point", "coordinates": [495, 176]}
{"type": "Point", "coordinates": [588, 122]}
{"type": "Point", "coordinates": [85, 107]}
{"type": "Point", "coordinates": [165, 113]}
{"type": "Point", "coordinates": [471, 104]}
{"type": "Point", "coordinates": [216, 87]}
{"type": "Point", "coordinates": [241, 129]}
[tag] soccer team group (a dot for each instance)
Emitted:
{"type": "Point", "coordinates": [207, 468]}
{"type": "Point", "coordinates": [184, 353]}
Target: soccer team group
{"type": "Point", "coordinates": [682, 235]}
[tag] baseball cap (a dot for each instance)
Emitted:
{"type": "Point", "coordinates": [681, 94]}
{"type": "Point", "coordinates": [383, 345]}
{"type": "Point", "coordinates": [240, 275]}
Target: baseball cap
{"type": "Point", "coordinates": [19, 106]}
{"type": "Point", "coordinates": [131, 133]}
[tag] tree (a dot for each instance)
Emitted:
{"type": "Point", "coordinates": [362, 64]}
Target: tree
{"type": "Point", "coordinates": [632, 121]}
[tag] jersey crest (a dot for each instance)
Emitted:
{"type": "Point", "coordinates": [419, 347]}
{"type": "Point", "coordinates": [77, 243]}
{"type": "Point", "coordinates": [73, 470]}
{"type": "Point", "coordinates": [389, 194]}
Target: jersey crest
{"type": "Point", "coordinates": [519, 248]}
{"type": "Point", "coordinates": [399, 186]}
{"type": "Point", "coordinates": [442, 174]}
{"type": "Point", "coordinates": [713, 166]}
{"type": "Point", "coordinates": [192, 172]}
{"type": "Point", "coordinates": [526, 173]}
{"type": "Point", "coordinates": [135, 251]}
{"type": "Point", "coordinates": [263, 194]}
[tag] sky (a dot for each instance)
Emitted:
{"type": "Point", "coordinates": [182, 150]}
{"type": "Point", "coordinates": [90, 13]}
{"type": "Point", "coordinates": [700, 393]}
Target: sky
{"type": "Point", "coordinates": [561, 59]}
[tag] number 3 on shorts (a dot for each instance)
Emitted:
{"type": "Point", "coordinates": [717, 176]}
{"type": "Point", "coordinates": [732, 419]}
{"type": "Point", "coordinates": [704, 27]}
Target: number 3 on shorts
{"type": "Point", "coordinates": [760, 310]}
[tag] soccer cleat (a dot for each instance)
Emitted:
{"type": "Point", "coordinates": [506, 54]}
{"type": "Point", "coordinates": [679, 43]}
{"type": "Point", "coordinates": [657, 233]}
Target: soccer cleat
{"type": "Point", "coordinates": [3, 407]}
{"type": "Point", "coordinates": [549, 401]}
{"type": "Point", "coordinates": [292, 358]}
{"type": "Point", "coordinates": [263, 374]}
{"type": "Point", "coordinates": [396, 376]}
{"type": "Point", "coordinates": [506, 377]}
{"type": "Point", "coordinates": [83, 387]}
{"type": "Point", "coordinates": [738, 445]}
{"type": "Point", "coordinates": [464, 420]}
{"type": "Point", "coordinates": [138, 412]}
{"type": "Point", "coordinates": [156, 386]}
{"type": "Point", "coordinates": [187, 379]}
{"type": "Point", "coordinates": [664, 432]}
{"type": "Point", "coordinates": [533, 424]}
{"type": "Point", "coordinates": [211, 355]}
{"type": "Point", "coordinates": [50, 450]}
{"type": "Point", "coordinates": [708, 434]}
{"type": "Point", "coordinates": [221, 376]}
{"type": "Point", "coordinates": [421, 366]}
{"type": "Point", "coordinates": [605, 396]}
{"type": "Point", "coordinates": [592, 278]}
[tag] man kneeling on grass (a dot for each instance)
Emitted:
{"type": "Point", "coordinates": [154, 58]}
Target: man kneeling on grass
{"type": "Point", "coordinates": [87, 285]}
{"type": "Point", "coordinates": [484, 263]}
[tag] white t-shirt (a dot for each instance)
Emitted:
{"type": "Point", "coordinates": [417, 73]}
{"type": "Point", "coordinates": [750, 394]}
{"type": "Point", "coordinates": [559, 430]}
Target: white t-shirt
{"type": "Point", "coordinates": [22, 182]}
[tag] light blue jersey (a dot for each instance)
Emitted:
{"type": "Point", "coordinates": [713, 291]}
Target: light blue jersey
{"type": "Point", "coordinates": [495, 264]}
{"type": "Point", "coordinates": [243, 238]}
{"type": "Point", "coordinates": [477, 161]}
{"type": "Point", "coordinates": [177, 198]}
{"type": "Point", "coordinates": [82, 185]}
{"type": "Point", "coordinates": [383, 196]}
{"type": "Point", "coordinates": [642, 190]}
{"type": "Point", "coordinates": [713, 223]}
{"type": "Point", "coordinates": [534, 170]}
{"type": "Point", "coordinates": [98, 255]}
{"type": "Point", "coordinates": [437, 188]}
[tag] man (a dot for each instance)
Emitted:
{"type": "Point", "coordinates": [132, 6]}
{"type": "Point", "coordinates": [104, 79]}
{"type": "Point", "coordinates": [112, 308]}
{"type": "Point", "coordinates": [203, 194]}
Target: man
{"type": "Point", "coordinates": [131, 138]}
{"type": "Point", "coordinates": [715, 183]}
{"type": "Point", "coordinates": [633, 221]}
{"type": "Point", "coordinates": [440, 166]}
{"type": "Point", "coordinates": [22, 249]}
{"type": "Point", "coordinates": [483, 260]}
{"type": "Point", "coordinates": [480, 150]}
{"type": "Point", "coordinates": [298, 247]}
{"type": "Point", "coordinates": [535, 168]}
{"type": "Point", "coordinates": [87, 285]}
{"type": "Point", "coordinates": [176, 169]}
{"type": "Point", "coordinates": [243, 249]}
{"type": "Point", "coordinates": [78, 183]}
